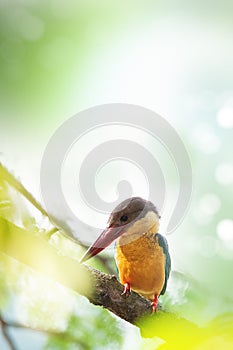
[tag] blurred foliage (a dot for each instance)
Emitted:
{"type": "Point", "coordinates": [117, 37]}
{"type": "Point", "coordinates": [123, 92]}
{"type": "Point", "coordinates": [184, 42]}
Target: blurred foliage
{"type": "Point", "coordinates": [97, 330]}
{"type": "Point", "coordinates": [36, 301]}
{"type": "Point", "coordinates": [189, 323]}
{"type": "Point", "coordinates": [181, 334]}
{"type": "Point", "coordinates": [44, 46]}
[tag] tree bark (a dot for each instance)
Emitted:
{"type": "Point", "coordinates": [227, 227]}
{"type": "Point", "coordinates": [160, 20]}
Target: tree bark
{"type": "Point", "coordinates": [107, 292]}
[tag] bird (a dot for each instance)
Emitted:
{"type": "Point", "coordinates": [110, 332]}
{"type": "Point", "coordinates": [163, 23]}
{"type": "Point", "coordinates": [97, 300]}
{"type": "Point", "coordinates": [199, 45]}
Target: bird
{"type": "Point", "coordinates": [141, 253]}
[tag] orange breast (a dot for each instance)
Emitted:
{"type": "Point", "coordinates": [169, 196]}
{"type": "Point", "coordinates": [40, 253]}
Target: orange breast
{"type": "Point", "coordinates": [141, 263]}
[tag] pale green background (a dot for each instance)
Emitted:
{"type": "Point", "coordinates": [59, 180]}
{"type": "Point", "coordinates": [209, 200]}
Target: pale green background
{"type": "Point", "coordinates": [175, 57]}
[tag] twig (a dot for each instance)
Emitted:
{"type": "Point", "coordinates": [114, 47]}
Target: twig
{"type": "Point", "coordinates": [6, 335]}
{"type": "Point", "coordinates": [19, 187]}
{"type": "Point", "coordinates": [52, 333]}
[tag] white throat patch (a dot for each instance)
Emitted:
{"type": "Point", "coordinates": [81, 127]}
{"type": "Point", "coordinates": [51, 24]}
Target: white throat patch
{"type": "Point", "coordinates": [140, 227]}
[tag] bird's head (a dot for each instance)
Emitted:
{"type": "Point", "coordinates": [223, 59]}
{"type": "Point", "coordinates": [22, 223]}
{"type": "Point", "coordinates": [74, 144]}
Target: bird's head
{"type": "Point", "coordinates": [130, 219]}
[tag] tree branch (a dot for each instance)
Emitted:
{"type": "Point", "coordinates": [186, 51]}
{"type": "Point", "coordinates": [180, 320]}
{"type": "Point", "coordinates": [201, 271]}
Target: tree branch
{"type": "Point", "coordinates": [100, 288]}
{"type": "Point", "coordinates": [107, 292]}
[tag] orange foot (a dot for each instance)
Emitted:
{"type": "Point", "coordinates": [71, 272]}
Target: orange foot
{"type": "Point", "coordinates": [127, 289]}
{"type": "Point", "coordinates": [154, 303]}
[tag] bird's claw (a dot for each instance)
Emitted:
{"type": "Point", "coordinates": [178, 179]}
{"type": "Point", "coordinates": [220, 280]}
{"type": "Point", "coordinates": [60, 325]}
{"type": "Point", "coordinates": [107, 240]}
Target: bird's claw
{"type": "Point", "coordinates": [126, 290]}
{"type": "Point", "coordinates": [154, 304]}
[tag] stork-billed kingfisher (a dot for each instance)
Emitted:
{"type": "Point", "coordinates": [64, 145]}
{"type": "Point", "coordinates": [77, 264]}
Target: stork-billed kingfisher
{"type": "Point", "coordinates": [142, 255]}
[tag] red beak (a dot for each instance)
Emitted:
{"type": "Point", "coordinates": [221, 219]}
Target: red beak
{"type": "Point", "coordinates": [104, 240]}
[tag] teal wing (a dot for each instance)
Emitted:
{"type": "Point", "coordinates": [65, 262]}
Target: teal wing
{"type": "Point", "coordinates": [163, 244]}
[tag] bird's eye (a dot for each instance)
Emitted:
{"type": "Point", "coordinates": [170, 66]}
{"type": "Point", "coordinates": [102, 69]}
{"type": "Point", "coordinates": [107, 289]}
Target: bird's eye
{"type": "Point", "coordinates": [124, 218]}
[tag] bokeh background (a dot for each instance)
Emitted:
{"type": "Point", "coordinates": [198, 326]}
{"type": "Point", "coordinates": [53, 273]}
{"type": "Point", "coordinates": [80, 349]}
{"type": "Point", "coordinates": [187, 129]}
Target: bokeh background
{"type": "Point", "coordinates": [174, 57]}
